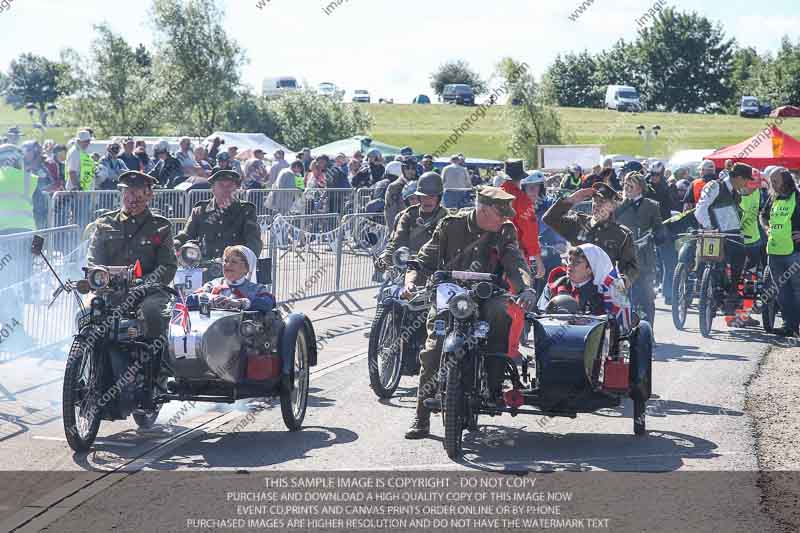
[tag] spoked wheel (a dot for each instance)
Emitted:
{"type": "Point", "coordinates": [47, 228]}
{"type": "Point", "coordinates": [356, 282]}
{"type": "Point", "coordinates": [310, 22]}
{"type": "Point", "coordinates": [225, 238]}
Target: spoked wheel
{"type": "Point", "coordinates": [708, 304]}
{"type": "Point", "coordinates": [81, 394]}
{"type": "Point", "coordinates": [385, 353]}
{"type": "Point", "coordinates": [294, 390]}
{"type": "Point", "coordinates": [681, 295]}
{"type": "Point", "coordinates": [769, 308]}
{"type": "Point", "coordinates": [453, 413]}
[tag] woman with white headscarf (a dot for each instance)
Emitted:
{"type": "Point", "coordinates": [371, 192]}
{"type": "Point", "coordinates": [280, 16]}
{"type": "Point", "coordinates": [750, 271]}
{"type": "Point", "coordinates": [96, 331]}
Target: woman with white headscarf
{"type": "Point", "coordinates": [237, 288]}
{"type": "Point", "coordinates": [593, 282]}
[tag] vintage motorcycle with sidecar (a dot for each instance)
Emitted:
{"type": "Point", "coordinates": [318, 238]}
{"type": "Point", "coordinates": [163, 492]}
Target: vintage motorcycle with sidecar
{"type": "Point", "coordinates": [398, 330]}
{"type": "Point", "coordinates": [209, 355]}
{"type": "Point", "coordinates": [582, 363]}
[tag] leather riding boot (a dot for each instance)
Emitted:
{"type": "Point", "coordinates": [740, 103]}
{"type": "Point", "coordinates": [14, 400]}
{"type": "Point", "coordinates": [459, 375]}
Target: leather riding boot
{"type": "Point", "coordinates": [421, 425]}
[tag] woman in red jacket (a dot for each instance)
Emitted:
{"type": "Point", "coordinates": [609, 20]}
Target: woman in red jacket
{"type": "Point", "coordinates": [525, 218]}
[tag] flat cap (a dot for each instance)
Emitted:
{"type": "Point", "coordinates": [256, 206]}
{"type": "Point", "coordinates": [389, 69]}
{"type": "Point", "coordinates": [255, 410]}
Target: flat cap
{"type": "Point", "coordinates": [743, 170]}
{"type": "Point", "coordinates": [134, 178]}
{"type": "Point", "coordinates": [497, 198]}
{"type": "Point", "coordinates": [225, 175]}
{"type": "Point", "coordinates": [604, 191]}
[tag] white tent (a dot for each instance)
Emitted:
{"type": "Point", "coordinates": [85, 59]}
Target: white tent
{"type": "Point", "coordinates": [249, 141]}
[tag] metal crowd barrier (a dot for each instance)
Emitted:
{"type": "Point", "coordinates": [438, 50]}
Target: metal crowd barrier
{"type": "Point", "coordinates": [79, 207]}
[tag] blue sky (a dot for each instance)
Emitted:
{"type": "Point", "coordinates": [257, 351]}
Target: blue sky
{"type": "Point", "coordinates": [389, 48]}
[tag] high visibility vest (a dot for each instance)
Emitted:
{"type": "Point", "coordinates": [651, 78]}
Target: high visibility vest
{"type": "Point", "coordinates": [749, 205]}
{"type": "Point", "coordinates": [780, 226]}
{"type": "Point", "coordinates": [16, 199]}
{"type": "Point", "coordinates": [87, 172]}
{"type": "Point", "coordinates": [300, 182]}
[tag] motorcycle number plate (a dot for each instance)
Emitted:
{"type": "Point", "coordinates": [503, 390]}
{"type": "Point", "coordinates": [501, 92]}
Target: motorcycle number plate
{"type": "Point", "coordinates": [445, 293]}
{"type": "Point", "coordinates": [190, 278]}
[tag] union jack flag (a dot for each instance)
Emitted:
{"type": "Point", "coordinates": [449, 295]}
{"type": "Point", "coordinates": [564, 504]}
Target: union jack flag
{"type": "Point", "coordinates": [615, 299]}
{"type": "Point", "coordinates": [180, 314]}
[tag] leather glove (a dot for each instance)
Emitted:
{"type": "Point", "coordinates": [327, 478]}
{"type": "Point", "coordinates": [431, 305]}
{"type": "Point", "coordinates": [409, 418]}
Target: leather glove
{"type": "Point", "coordinates": [527, 299]}
{"type": "Point", "coordinates": [380, 264]}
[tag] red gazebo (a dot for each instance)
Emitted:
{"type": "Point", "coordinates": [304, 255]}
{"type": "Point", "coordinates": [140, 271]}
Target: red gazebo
{"type": "Point", "coordinates": [770, 146]}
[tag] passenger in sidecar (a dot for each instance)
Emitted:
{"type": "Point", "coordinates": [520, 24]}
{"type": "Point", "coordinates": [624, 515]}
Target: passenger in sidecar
{"type": "Point", "coordinates": [237, 289]}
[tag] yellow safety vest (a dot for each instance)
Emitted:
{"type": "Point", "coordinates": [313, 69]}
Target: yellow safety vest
{"type": "Point", "coordinates": [750, 205]}
{"type": "Point", "coordinates": [300, 182]}
{"type": "Point", "coordinates": [16, 199]}
{"type": "Point", "coordinates": [87, 172]}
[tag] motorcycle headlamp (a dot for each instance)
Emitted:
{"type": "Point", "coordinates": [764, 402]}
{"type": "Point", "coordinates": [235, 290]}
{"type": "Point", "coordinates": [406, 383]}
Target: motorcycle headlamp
{"type": "Point", "coordinates": [82, 286]}
{"type": "Point", "coordinates": [98, 278]}
{"type": "Point", "coordinates": [461, 306]}
{"type": "Point", "coordinates": [191, 255]}
{"type": "Point", "coordinates": [401, 256]}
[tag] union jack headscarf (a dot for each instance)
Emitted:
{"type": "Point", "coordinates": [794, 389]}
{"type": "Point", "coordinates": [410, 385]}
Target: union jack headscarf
{"type": "Point", "coordinates": [609, 284]}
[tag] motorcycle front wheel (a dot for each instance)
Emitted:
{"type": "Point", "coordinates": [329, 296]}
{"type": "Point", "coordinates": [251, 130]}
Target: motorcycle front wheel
{"type": "Point", "coordinates": [385, 354]}
{"type": "Point", "coordinates": [81, 394]}
{"type": "Point", "coordinates": [681, 296]}
{"type": "Point", "coordinates": [453, 413]}
{"type": "Point", "coordinates": [708, 304]}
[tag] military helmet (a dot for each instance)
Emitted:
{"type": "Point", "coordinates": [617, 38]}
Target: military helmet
{"type": "Point", "coordinates": [409, 190]}
{"type": "Point", "coordinates": [429, 184]}
{"type": "Point", "coordinates": [395, 168]}
{"type": "Point", "coordinates": [563, 304]}
{"type": "Point", "coordinates": [10, 156]}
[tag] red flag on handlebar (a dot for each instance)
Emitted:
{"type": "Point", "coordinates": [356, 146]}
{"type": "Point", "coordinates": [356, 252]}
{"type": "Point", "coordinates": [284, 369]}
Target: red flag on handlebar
{"type": "Point", "coordinates": [137, 270]}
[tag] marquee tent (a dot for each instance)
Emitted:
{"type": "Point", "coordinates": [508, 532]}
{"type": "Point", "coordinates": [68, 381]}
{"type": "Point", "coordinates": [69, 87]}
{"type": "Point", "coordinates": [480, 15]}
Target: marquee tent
{"type": "Point", "coordinates": [349, 146]}
{"type": "Point", "coordinates": [770, 146]}
{"type": "Point", "coordinates": [250, 141]}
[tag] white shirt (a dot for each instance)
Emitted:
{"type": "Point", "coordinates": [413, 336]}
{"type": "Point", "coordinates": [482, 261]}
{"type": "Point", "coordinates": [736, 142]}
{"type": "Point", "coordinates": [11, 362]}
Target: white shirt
{"type": "Point", "coordinates": [456, 177]}
{"type": "Point", "coordinates": [707, 197]}
{"type": "Point", "coordinates": [72, 164]}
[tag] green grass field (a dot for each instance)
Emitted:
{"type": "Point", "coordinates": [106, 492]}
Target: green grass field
{"type": "Point", "coordinates": [426, 127]}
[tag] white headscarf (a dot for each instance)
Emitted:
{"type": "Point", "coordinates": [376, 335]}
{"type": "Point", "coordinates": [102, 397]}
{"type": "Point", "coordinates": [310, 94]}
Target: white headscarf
{"type": "Point", "coordinates": [609, 284]}
{"type": "Point", "coordinates": [252, 261]}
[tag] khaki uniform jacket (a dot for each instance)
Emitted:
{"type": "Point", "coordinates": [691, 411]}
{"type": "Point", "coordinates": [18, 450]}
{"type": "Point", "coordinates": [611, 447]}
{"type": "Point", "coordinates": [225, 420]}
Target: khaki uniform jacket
{"type": "Point", "coordinates": [394, 201]}
{"type": "Point", "coordinates": [121, 240]}
{"type": "Point", "coordinates": [459, 244]}
{"type": "Point", "coordinates": [615, 240]}
{"type": "Point", "coordinates": [647, 217]}
{"type": "Point", "coordinates": [236, 225]}
{"type": "Point", "coordinates": [409, 232]}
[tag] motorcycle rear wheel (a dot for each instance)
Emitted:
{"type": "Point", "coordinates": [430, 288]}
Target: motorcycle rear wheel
{"type": "Point", "coordinates": [453, 414]}
{"type": "Point", "coordinates": [294, 398]}
{"type": "Point", "coordinates": [81, 410]}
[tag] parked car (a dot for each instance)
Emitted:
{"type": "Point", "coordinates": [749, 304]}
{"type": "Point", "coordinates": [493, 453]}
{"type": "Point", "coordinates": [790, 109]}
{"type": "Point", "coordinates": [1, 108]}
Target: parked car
{"type": "Point", "coordinates": [329, 89]}
{"type": "Point", "coordinates": [386, 100]}
{"type": "Point", "coordinates": [422, 99]}
{"type": "Point", "coordinates": [750, 107]}
{"type": "Point", "coordinates": [623, 98]}
{"type": "Point", "coordinates": [361, 96]}
{"type": "Point", "coordinates": [279, 86]}
{"type": "Point", "coordinates": [458, 93]}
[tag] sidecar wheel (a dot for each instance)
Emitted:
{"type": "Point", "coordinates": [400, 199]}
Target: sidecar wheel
{"type": "Point", "coordinates": [81, 409]}
{"type": "Point", "coordinates": [294, 388]}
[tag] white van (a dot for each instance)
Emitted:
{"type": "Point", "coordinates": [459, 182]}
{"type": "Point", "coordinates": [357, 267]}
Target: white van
{"type": "Point", "coordinates": [280, 85]}
{"type": "Point", "coordinates": [623, 98]}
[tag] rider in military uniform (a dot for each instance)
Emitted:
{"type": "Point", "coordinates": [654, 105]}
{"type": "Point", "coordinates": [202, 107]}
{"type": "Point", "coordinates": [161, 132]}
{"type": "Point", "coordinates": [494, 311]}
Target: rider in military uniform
{"type": "Point", "coordinates": [416, 224]}
{"type": "Point", "coordinates": [133, 233]}
{"type": "Point", "coordinates": [482, 239]}
{"type": "Point", "coordinates": [600, 228]}
{"type": "Point", "coordinates": [222, 221]}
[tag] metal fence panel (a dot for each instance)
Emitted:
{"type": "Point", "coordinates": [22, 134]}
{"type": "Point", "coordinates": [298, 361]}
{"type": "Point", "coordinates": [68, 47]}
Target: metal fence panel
{"type": "Point", "coordinates": [303, 251]}
{"type": "Point", "coordinates": [80, 207]}
{"type": "Point", "coordinates": [364, 237]}
{"type": "Point", "coordinates": [170, 203]}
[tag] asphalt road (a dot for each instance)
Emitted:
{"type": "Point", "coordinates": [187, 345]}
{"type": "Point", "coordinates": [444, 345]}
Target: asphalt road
{"type": "Point", "coordinates": [696, 423]}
